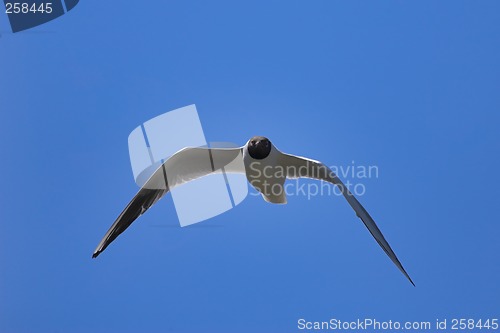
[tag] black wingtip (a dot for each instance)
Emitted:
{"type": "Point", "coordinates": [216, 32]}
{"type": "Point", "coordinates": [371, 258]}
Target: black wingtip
{"type": "Point", "coordinates": [407, 275]}
{"type": "Point", "coordinates": [97, 253]}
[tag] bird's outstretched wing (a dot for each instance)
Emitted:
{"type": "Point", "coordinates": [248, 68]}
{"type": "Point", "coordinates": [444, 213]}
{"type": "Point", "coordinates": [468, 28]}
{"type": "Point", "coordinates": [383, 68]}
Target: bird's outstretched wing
{"type": "Point", "coordinates": [298, 167]}
{"type": "Point", "coordinates": [185, 165]}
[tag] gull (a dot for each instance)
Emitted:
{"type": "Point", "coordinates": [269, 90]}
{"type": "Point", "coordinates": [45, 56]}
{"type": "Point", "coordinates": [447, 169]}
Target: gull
{"type": "Point", "coordinates": [266, 169]}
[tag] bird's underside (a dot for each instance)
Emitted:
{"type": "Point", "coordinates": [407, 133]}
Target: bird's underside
{"type": "Point", "coordinates": [190, 164]}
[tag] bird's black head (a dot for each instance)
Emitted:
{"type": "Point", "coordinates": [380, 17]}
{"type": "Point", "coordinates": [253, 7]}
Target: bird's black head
{"type": "Point", "coordinates": [259, 147]}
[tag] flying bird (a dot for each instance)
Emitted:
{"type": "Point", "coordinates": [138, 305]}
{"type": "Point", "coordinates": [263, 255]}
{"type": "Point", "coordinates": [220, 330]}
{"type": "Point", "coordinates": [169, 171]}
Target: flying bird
{"type": "Point", "coordinates": [266, 169]}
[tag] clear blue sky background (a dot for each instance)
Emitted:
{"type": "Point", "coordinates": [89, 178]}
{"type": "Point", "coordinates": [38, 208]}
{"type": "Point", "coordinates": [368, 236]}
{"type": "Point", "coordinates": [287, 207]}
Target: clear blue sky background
{"type": "Point", "coordinates": [410, 87]}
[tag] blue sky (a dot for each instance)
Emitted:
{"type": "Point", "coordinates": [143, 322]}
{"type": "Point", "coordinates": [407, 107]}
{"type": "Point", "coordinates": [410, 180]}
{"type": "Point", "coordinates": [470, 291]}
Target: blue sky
{"type": "Point", "coordinates": [410, 87]}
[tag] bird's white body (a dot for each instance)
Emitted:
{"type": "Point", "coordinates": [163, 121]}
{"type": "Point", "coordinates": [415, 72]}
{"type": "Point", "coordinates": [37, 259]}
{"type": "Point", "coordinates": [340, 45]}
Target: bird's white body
{"type": "Point", "coordinates": [265, 176]}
